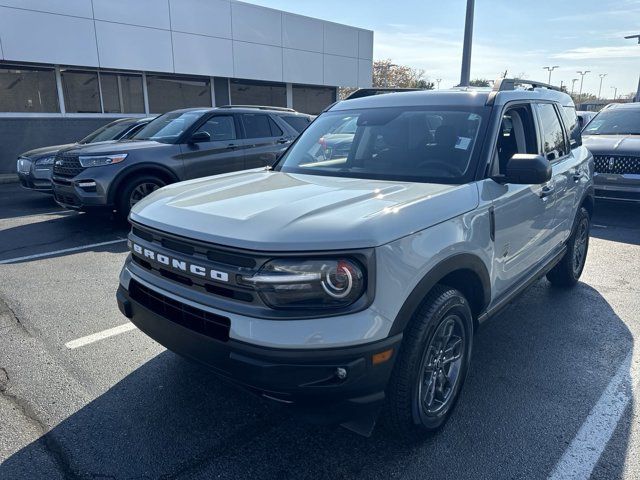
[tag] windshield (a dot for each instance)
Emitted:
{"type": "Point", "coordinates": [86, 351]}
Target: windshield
{"type": "Point", "coordinates": [167, 128]}
{"type": "Point", "coordinates": [615, 122]}
{"type": "Point", "coordinates": [111, 131]}
{"type": "Point", "coordinates": [431, 144]}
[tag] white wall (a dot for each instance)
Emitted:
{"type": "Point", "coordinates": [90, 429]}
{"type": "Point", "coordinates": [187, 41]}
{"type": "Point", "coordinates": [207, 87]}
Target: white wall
{"type": "Point", "coordinates": [201, 37]}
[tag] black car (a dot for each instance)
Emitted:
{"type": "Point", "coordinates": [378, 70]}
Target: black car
{"type": "Point", "coordinates": [35, 166]}
{"type": "Point", "coordinates": [179, 145]}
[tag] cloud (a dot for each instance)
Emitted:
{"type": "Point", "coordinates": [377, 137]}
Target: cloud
{"type": "Point", "coordinates": [586, 53]}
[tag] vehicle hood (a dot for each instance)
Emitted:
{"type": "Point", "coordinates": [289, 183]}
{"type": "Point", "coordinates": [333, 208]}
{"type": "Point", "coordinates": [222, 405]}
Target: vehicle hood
{"type": "Point", "coordinates": [46, 151]}
{"type": "Point", "coordinates": [275, 211]}
{"type": "Point", "coordinates": [110, 146]}
{"type": "Point", "coordinates": [612, 144]}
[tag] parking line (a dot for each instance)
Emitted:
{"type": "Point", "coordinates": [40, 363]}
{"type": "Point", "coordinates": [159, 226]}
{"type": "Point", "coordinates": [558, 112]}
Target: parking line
{"type": "Point", "coordinates": [95, 337]}
{"type": "Point", "coordinates": [65, 250]}
{"type": "Point", "coordinates": [579, 460]}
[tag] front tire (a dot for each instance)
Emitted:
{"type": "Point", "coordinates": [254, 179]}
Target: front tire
{"type": "Point", "coordinates": [432, 364]}
{"type": "Point", "coordinates": [134, 190]}
{"type": "Point", "coordinates": [567, 272]}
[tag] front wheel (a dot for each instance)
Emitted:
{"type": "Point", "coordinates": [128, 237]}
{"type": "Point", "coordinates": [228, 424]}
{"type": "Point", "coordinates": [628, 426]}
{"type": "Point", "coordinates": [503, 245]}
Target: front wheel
{"type": "Point", "coordinates": [135, 190]}
{"type": "Point", "coordinates": [432, 364]}
{"type": "Point", "coordinates": [567, 272]}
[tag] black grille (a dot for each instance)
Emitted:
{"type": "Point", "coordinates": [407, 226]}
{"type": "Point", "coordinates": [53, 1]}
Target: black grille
{"type": "Point", "coordinates": [66, 199]}
{"type": "Point", "coordinates": [67, 165]}
{"type": "Point", "coordinates": [200, 321]}
{"type": "Point", "coordinates": [617, 164]}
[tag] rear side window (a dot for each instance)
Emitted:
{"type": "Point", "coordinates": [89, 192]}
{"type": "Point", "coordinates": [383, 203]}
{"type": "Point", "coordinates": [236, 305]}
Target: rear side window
{"type": "Point", "coordinates": [219, 128]}
{"type": "Point", "coordinates": [276, 131]}
{"type": "Point", "coordinates": [298, 123]}
{"type": "Point", "coordinates": [553, 140]}
{"type": "Point", "coordinates": [572, 122]}
{"type": "Point", "coordinates": [256, 125]}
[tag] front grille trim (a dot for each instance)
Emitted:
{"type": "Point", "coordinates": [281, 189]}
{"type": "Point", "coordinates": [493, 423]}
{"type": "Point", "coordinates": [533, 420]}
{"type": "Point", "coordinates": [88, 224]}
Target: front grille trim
{"type": "Point", "coordinates": [195, 319]}
{"type": "Point", "coordinates": [70, 166]}
{"type": "Point", "coordinates": [621, 165]}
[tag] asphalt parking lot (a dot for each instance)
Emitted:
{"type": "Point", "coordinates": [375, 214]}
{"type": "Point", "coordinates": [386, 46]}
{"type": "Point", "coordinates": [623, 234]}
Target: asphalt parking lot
{"type": "Point", "coordinates": [553, 389]}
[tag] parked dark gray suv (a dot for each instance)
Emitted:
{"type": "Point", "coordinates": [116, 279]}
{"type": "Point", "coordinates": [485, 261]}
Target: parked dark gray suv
{"type": "Point", "coordinates": [35, 166]}
{"type": "Point", "coordinates": [179, 145]}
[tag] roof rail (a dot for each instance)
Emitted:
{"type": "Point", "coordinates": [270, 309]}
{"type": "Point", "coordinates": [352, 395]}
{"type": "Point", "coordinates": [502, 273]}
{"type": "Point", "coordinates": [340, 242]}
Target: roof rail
{"type": "Point", "coordinates": [506, 84]}
{"type": "Point", "coordinates": [260, 107]}
{"type": "Point", "coordinates": [369, 92]}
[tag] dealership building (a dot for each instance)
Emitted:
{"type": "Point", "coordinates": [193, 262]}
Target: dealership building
{"type": "Point", "coordinates": [69, 66]}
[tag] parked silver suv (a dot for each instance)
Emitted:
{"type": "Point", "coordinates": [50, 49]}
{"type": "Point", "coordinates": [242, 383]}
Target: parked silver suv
{"type": "Point", "coordinates": [342, 283]}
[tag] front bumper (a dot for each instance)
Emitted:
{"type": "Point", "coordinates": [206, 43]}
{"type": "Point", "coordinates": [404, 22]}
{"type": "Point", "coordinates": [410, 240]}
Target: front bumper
{"type": "Point", "coordinates": [68, 194]}
{"type": "Point", "coordinates": [624, 187]}
{"type": "Point", "coordinates": [307, 379]}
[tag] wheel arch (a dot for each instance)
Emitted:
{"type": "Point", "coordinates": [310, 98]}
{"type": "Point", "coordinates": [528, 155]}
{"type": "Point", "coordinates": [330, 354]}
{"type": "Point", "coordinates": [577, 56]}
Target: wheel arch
{"type": "Point", "coordinates": [465, 272]}
{"type": "Point", "coordinates": [161, 171]}
{"type": "Point", "coordinates": [588, 201]}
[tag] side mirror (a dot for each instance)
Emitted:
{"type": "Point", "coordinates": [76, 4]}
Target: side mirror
{"type": "Point", "coordinates": [528, 169]}
{"type": "Point", "coordinates": [200, 137]}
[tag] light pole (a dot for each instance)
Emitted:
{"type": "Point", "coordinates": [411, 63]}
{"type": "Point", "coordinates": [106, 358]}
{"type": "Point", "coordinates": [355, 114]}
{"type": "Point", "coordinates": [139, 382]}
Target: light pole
{"type": "Point", "coordinates": [582, 74]}
{"type": "Point", "coordinates": [637, 99]}
{"type": "Point", "coordinates": [615, 92]}
{"type": "Point", "coordinates": [602, 75]}
{"type": "Point", "coordinates": [573, 84]}
{"type": "Point", "coordinates": [550, 69]}
{"type": "Point", "coordinates": [438, 80]}
{"type": "Point", "coordinates": [465, 72]}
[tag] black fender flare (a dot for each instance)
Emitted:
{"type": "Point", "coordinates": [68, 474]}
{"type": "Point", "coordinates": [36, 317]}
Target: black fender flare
{"type": "Point", "coordinates": [456, 262]}
{"type": "Point", "coordinates": [145, 167]}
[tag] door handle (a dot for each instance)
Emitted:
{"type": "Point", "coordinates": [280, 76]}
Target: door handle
{"type": "Point", "coordinates": [546, 191]}
{"type": "Point", "coordinates": [232, 145]}
{"type": "Point", "coordinates": [283, 140]}
{"type": "Point", "coordinates": [577, 177]}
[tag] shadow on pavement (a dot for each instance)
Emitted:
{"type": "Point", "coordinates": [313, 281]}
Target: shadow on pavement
{"type": "Point", "coordinates": [16, 201]}
{"type": "Point", "coordinates": [617, 221]}
{"type": "Point", "coordinates": [538, 369]}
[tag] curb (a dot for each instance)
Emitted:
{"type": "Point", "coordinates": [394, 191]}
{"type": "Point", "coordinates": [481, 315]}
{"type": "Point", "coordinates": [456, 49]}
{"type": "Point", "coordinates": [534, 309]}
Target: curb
{"type": "Point", "coordinates": [8, 178]}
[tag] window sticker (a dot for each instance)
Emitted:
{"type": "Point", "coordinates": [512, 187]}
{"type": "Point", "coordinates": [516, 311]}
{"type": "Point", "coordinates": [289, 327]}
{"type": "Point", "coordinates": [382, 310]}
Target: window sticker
{"type": "Point", "coordinates": [463, 143]}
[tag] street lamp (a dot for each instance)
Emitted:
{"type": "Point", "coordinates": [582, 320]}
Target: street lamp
{"type": "Point", "coordinates": [638, 92]}
{"type": "Point", "coordinates": [550, 69]}
{"type": "Point", "coordinates": [438, 80]}
{"type": "Point", "coordinates": [615, 92]}
{"type": "Point", "coordinates": [582, 74]}
{"type": "Point", "coordinates": [465, 72]}
{"type": "Point", "coordinates": [602, 75]}
{"type": "Point", "coordinates": [573, 84]}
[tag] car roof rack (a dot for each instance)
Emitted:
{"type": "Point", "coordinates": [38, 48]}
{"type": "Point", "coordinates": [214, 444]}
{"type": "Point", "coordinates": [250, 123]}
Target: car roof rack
{"type": "Point", "coordinates": [261, 107]}
{"type": "Point", "coordinates": [369, 92]}
{"type": "Point", "coordinates": [507, 84]}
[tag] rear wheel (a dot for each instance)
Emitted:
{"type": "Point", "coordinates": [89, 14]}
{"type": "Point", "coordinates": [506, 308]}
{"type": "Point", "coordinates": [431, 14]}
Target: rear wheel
{"type": "Point", "coordinates": [135, 189]}
{"type": "Point", "coordinates": [567, 272]}
{"type": "Point", "coordinates": [432, 364]}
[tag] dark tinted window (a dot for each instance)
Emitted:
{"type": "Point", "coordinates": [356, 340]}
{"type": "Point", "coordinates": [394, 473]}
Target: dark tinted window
{"type": "Point", "coordinates": [110, 131]}
{"type": "Point", "coordinates": [81, 91]}
{"type": "Point", "coordinates": [615, 121]}
{"type": "Point", "coordinates": [256, 125]}
{"type": "Point", "coordinates": [572, 122]}
{"type": "Point", "coordinates": [28, 90]}
{"type": "Point", "coordinates": [276, 131]}
{"type": "Point", "coordinates": [299, 123]}
{"type": "Point", "coordinates": [552, 134]}
{"type": "Point", "coordinates": [167, 93]}
{"type": "Point", "coordinates": [122, 93]}
{"type": "Point", "coordinates": [169, 127]}
{"type": "Point", "coordinates": [219, 128]}
{"type": "Point", "coordinates": [245, 92]}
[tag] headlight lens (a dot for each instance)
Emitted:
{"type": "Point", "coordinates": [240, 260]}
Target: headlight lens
{"type": "Point", "coordinates": [23, 165]}
{"type": "Point", "coordinates": [100, 160]}
{"type": "Point", "coordinates": [45, 161]}
{"type": "Point", "coordinates": [314, 283]}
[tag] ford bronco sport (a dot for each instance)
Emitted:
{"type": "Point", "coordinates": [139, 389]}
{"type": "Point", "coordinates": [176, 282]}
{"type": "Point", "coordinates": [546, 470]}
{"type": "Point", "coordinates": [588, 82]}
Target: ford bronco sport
{"type": "Point", "coordinates": [345, 283]}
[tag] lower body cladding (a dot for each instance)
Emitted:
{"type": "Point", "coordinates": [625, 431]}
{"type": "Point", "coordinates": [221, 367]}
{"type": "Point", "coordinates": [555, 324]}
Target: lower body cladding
{"type": "Point", "coordinates": [77, 195]}
{"type": "Point", "coordinates": [328, 385]}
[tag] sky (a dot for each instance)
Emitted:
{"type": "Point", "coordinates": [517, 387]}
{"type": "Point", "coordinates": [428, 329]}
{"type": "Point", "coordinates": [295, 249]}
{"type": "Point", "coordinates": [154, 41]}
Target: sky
{"type": "Point", "coordinates": [519, 36]}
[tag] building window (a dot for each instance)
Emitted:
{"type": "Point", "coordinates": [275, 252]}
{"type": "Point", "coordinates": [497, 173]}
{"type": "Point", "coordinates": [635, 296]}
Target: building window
{"type": "Point", "coordinates": [244, 92]}
{"type": "Point", "coordinates": [312, 100]}
{"type": "Point", "coordinates": [122, 93]}
{"type": "Point", "coordinates": [28, 90]}
{"type": "Point", "coordinates": [81, 91]}
{"type": "Point", "coordinates": [172, 93]}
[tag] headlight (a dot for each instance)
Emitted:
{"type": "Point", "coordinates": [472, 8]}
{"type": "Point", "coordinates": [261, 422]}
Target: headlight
{"type": "Point", "coordinates": [314, 283]}
{"type": "Point", "coordinates": [23, 165]}
{"type": "Point", "coordinates": [45, 161]}
{"type": "Point", "coordinates": [99, 160]}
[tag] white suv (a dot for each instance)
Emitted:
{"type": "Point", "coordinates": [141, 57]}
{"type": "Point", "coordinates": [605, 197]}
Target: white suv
{"type": "Point", "coordinates": [351, 276]}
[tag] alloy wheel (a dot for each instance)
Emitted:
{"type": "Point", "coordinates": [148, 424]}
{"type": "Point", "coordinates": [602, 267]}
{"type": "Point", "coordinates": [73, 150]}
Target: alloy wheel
{"type": "Point", "coordinates": [141, 191]}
